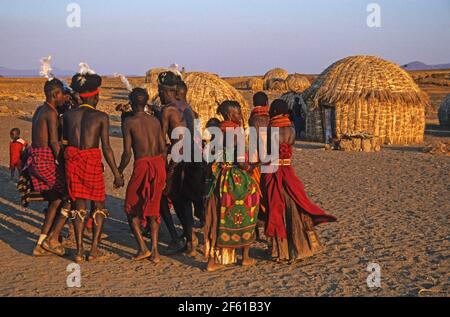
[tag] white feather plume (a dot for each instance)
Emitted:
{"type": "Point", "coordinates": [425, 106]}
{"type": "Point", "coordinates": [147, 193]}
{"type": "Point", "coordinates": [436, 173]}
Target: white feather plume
{"type": "Point", "coordinates": [46, 68]}
{"type": "Point", "coordinates": [124, 80]}
{"type": "Point", "coordinates": [85, 69]}
{"type": "Point", "coordinates": [174, 68]}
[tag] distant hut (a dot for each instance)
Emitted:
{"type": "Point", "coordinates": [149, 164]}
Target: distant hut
{"type": "Point", "coordinates": [206, 91]}
{"type": "Point", "coordinates": [297, 83]}
{"type": "Point", "coordinates": [274, 75]}
{"type": "Point", "coordinates": [277, 85]}
{"type": "Point", "coordinates": [151, 76]}
{"type": "Point", "coordinates": [363, 102]}
{"type": "Point", "coordinates": [255, 84]}
{"type": "Point", "coordinates": [444, 112]}
{"type": "Point", "coordinates": [151, 81]}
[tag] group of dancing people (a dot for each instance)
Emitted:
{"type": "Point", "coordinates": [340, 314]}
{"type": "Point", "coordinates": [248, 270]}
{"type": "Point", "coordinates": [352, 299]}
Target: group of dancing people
{"type": "Point", "coordinates": [235, 199]}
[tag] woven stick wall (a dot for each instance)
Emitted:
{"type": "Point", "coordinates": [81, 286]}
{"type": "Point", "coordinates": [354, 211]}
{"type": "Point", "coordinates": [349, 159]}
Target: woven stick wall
{"type": "Point", "coordinates": [444, 112]}
{"type": "Point", "coordinates": [371, 96]}
{"type": "Point", "coordinates": [297, 83]}
{"type": "Point", "coordinates": [276, 74]}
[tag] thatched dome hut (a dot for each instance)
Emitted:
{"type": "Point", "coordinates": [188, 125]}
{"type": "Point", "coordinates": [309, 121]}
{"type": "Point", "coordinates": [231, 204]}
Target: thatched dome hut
{"type": "Point", "coordinates": [365, 101]}
{"type": "Point", "coordinates": [276, 85]}
{"type": "Point", "coordinates": [255, 84]}
{"type": "Point", "coordinates": [206, 91]}
{"type": "Point", "coordinates": [276, 74]}
{"type": "Point", "coordinates": [297, 83]}
{"type": "Point", "coordinates": [151, 81]}
{"type": "Point", "coordinates": [151, 76]}
{"type": "Point", "coordinates": [444, 112]}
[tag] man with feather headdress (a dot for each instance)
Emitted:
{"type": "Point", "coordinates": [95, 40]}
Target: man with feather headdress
{"type": "Point", "coordinates": [84, 128]}
{"type": "Point", "coordinates": [44, 161]}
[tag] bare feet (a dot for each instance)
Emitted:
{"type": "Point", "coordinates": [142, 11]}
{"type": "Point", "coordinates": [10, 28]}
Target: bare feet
{"type": "Point", "coordinates": [190, 251]}
{"type": "Point", "coordinates": [155, 258]}
{"type": "Point", "coordinates": [248, 262]}
{"type": "Point", "coordinates": [53, 247]}
{"type": "Point", "coordinates": [94, 254]}
{"type": "Point", "coordinates": [213, 266]}
{"type": "Point", "coordinates": [142, 255]}
{"type": "Point", "coordinates": [79, 257]}
{"type": "Point", "coordinates": [39, 251]}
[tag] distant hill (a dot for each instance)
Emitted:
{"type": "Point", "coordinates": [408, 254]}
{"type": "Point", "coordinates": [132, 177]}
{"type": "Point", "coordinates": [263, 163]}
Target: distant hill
{"type": "Point", "coordinates": [423, 66]}
{"type": "Point", "coordinates": [10, 72]}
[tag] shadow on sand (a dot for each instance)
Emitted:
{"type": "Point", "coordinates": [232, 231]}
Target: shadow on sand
{"type": "Point", "coordinates": [17, 218]}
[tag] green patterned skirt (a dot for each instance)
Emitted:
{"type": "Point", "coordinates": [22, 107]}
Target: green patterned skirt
{"type": "Point", "coordinates": [238, 202]}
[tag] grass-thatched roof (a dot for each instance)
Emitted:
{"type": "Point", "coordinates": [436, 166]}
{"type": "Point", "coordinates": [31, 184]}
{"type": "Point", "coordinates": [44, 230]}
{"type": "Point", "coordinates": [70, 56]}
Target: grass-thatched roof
{"type": "Point", "coordinates": [444, 112]}
{"type": "Point", "coordinates": [279, 73]}
{"type": "Point", "coordinates": [364, 77]}
{"type": "Point", "coordinates": [275, 74]}
{"type": "Point", "coordinates": [297, 83]}
{"type": "Point", "coordinates": [151, 76]}
{"type": "Point", "coordinates": [206, 91]}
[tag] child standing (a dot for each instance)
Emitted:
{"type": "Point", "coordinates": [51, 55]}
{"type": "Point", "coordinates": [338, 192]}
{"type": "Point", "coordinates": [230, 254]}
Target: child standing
{"type": "Point", "coordinates": [17, 146]}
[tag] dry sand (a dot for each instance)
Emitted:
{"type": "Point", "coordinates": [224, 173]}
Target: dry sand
{"type": "Point", "coordinates": [393, 209]}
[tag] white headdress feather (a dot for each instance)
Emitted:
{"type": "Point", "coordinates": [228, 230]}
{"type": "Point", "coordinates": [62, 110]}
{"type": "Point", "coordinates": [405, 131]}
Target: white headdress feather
{"type": "Point", "coordinates": [85, 69]}
{"type": "Point", "coordinates": [46, 68]}
{"type": "Point", "coordinates": [174, 68]}
{"type": "Point", "coordinates": [125, 81]}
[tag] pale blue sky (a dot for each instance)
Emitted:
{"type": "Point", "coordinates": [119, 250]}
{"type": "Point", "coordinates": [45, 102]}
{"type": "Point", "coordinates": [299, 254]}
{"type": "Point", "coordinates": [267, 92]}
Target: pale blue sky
{"type": "Point", "coordinates": [229, 37]}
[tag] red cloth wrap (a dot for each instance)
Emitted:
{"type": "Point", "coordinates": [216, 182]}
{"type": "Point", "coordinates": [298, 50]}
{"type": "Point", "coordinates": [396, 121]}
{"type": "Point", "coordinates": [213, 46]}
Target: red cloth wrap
{"type": "Point", "coordinates": [44, 173]}
{"type": "Point", "coordinates": [260, 112]}
{"type": "Point", "coordinates": [224, 125]}
{"type": "Point", "coordinates": [281, 121]}
{"type": "Point", "coordinates": [284, 179]}
{"type": "Point", "coordinates": [15, 150]}
{"type": "Point", "coordinates": [145, 188]}
{"type": "Point", "coordinates": [84, 174]}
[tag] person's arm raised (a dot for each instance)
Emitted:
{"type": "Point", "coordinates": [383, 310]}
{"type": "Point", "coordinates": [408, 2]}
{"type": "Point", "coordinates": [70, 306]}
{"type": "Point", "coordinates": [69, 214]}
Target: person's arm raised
{"type": "Point", "coordinates": [108, 152]}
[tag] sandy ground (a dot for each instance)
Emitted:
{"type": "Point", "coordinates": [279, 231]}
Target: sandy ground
{"type": "Point", "coordinates": [393, 209]}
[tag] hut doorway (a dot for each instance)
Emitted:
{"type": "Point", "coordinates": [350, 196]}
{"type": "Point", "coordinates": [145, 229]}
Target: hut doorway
{"type": "Point", "coordinates": [329, 123]}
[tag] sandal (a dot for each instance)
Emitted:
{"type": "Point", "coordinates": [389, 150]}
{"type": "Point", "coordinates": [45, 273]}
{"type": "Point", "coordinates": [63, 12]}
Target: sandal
{"type": "Point", "coordinates": [57, 250]}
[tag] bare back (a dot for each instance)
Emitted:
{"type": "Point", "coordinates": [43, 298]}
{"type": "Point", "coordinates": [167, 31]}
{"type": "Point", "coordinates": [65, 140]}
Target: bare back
{"type": "Point", "coordinates": [171, 119]}
{"type": "Point", "coordinates": [143, 132]}
{"type": "Point", "coordinates": [94, 126]}
{"type": "Point", "coordinates": [45, 125]}
{"type": "Point", "coordinates": [287, 135]}
{"type": "Point", "coordinates": [72, 126]}
{"type": "Point", "coordinates": [259, 122]}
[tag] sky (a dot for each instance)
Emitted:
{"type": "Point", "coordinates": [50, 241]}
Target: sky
{"type": "Point", "coordinates": [227, 37]}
